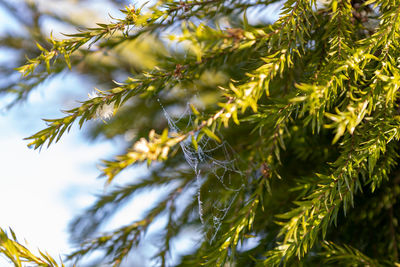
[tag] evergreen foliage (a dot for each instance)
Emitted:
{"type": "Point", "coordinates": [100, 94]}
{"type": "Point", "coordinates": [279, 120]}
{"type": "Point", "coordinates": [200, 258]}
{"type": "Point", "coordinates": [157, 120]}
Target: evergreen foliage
{"type": "Point", "coordinates": [277, 140]}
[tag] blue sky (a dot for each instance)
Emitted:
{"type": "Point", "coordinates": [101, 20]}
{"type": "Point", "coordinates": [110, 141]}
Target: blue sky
{"type": "Point", "coordinates": [41, 191]}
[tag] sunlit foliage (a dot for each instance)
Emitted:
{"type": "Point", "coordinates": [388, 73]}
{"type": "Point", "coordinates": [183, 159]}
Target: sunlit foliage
{"type": "Point", "coordinates": [278, 139]}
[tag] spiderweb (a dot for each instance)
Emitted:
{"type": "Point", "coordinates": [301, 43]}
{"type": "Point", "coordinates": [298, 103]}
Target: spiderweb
{"type": "Point", "coordinates": [202, 159]}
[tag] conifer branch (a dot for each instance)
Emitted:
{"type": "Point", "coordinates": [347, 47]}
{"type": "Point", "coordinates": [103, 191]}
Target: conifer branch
{"type": "Point", "coordinates": [281, 127]}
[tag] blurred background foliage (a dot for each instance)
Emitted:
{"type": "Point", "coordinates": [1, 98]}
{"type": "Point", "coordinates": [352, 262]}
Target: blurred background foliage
{"type": "Point", "coordinates": [33, 22]}
{"type": "Point", "coordinates": [258, 192]}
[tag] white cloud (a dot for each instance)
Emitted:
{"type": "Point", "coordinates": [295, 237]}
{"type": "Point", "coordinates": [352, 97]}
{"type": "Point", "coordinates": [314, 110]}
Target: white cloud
{"type": "Point", "coordinates": [34, 197]}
